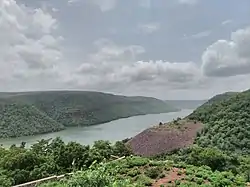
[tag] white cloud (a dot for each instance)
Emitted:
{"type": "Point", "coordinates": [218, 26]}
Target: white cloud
{"type": "Point", "coordinates": [228, 57]}
{"type": "Point", "coordinates": [199, 35]}
{"type": "Point", "coordinates": [109, 51]}
{"type": "Point", "coordinates": [27, 45]}
{"type": "Point", "coordinates": [149, 27]}
{"type": "Point", "coordinates": [115, 67]}
{"type": "Point", "coordinates": [31, 55]}
{"type": "Point", "coordinates": [105, 5]}
{"type": "Point", "coordinates": [189, 2]}
{"type": "Point", "coordinates": [145, 3]}
{"type": "Point", "coordinates": [55, 10]}
{"type": "Point", "coordinates": [226, 22]}
{"type": "Point", "coordinates": [72, 1]}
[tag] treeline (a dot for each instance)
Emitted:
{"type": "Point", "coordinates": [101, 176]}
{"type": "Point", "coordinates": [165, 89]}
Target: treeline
{"type": "Point", "coordinates": [53, 157]}
{"type": "Point", "coordinates": [92, 167]}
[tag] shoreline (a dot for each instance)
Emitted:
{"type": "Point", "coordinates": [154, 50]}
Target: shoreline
{"type": "Point", "coordinates": [82, 126]}
{"type": "Point", "coordinates": [116, 130]}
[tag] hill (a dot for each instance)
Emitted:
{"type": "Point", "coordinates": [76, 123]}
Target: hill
{"type": "Point", "coordinates": [18, 119]}
{"type": "Point", "coordinates": [227, 122]}
{"type": "Point", "coordinates": [75, 108]}
{"type": "Point", "coordinates": [165, 138]}
{"type": "Point", "coordinates": [221, 97]}
{"type": "Point", "coordinates": [186, 104]}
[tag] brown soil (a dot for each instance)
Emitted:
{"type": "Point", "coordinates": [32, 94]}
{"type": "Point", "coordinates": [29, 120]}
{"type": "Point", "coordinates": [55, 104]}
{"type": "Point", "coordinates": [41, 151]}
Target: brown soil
{"type": "Point", "coordinates": [170, 178]}
{"type": "Point", "coordinates": [164, 138]}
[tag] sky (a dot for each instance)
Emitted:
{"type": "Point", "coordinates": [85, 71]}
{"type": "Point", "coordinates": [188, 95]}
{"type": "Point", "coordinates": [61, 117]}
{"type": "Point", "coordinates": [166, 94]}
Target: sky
{"type": "Point", "coordinates": [169, 49]}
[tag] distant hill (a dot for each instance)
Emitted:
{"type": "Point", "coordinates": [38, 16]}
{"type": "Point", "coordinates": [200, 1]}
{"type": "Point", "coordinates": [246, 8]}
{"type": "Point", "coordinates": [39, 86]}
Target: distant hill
{"type": "Point", "coordinates": [79, 108]}
{"type": "Point", "coordinates": [186, 104]}
{"type": "Point", "coordinates": [18, 119]}
{"type": "Point", "coordinates": [227, 119]}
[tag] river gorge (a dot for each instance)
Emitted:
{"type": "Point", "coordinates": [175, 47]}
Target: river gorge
{"type": "Point", "coordinates": [112, 131]}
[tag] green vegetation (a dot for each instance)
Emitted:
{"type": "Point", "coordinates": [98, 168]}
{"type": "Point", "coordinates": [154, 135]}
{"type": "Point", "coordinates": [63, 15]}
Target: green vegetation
{"type": "Point", "coordinates": [18, 119]}
{"type": "Point", "coordinates": [220, 156]}
{"type": "Point", "coordinates": [32, 113]}
{"type": "Point", "coordinates": [53, 157]}
{"type": "Point", "coordinates": [227, 123]}
{"type": "Point", "coordinates": [95, 167]}
{"type": "Point", "coordinates": [167, 173]}
{"type": "Point", "coordinates": [221, 97]}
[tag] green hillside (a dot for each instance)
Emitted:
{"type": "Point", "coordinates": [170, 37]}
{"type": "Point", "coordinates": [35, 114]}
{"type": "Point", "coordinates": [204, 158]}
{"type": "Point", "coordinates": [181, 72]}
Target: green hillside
{"type": "Point", "coordinates": [18, 119]}
{"type": "Point", "coordinates": [227, 122]}
{"type": "Point", "coordinates": [96, 167]}
{"type": "Point", "coordinates": [70, 109]}
{"type": "Point", "coordinates": [221, 97]}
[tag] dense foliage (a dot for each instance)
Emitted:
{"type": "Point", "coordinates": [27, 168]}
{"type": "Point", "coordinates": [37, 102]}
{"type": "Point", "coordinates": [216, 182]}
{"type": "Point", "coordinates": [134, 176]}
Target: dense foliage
{"type": "Point", "coordinates": [18, 119]}
{"type": "Point", "coordinates": [140, 172]}
{"type": "Point", "coordinates": [227, 123]}
{"type": "Point", "coordinates": [221, 97]}
{"type": "Point", "coordinates": [94, 166]}
{"type": "Point", "coordinates": [40, 112]}
{"type": "Point", "coordinates": [49, 157]}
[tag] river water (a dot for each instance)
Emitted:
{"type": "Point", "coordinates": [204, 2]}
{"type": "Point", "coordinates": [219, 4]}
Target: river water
{"type": "Point", "coordinates": [112, 131]}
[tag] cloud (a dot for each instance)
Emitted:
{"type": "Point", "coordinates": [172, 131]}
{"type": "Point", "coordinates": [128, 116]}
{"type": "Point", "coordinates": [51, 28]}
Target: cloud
{"type": "Point", "coordinates": [199, 35]}
{"type": "Point", "coordinates": [104, 5]}
{"type": "Point", "coordinates": [145, 3]}
{"type": "Point", "coordinates": [226, 22]}
{"type": "Point", "coordinates": [109, 51]}
{"type": "Point", "coordinates": [228, 57]}
{"type": "Point", "coordinates": [149, 27]}
{"type": "Point", "coordinates": [188, 2]}
{"type": "Point", "coordinates": [72, 1]}
{"type": "Point", "coordinates": [34, 55]}
{"type": "Point", "coordinates": [28, 45]}
{"type": "Point", "coordinates": [115, 67]}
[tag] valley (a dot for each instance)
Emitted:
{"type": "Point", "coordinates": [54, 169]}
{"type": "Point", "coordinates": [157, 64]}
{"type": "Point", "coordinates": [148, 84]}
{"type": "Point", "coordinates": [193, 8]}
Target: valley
{"type": "Point", "coordinates": [206, 147]}
{"type": "Point", "coordinates": [32, 113]}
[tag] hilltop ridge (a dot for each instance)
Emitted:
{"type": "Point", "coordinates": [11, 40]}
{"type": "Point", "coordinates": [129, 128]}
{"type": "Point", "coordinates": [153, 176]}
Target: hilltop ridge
{"type": "Point", "coordinates": [227, 122]}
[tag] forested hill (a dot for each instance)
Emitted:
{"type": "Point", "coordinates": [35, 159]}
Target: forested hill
{"type": "Point", "coordinates": [221, 97]}
{"type": "Point", "coordinates": [227, 122]}
{"type": "Point", "coordinates": [69, 108]}
{"type": "Point", "coordinates": [17, 119]}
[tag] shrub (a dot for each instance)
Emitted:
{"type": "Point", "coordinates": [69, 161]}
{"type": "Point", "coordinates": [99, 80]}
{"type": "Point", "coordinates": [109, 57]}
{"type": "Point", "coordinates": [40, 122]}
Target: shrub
{"type": "Point", "coordinates": [153, 172]}
{"type": "Point", "coordinates": [144, 180]}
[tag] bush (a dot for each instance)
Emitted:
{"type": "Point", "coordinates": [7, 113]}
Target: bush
{"type": "Point", "coordinates": [144, 180]}
{"type": "Point", "coordinates": [137, 161]}
{"type": "Point", "coordinates": [153, 172]}
{"type": "Point", "coordinates": [133, 172]}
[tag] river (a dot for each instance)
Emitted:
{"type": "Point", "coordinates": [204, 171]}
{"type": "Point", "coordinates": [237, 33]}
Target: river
{"type": "Point", "coordinates": [112, 131]}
